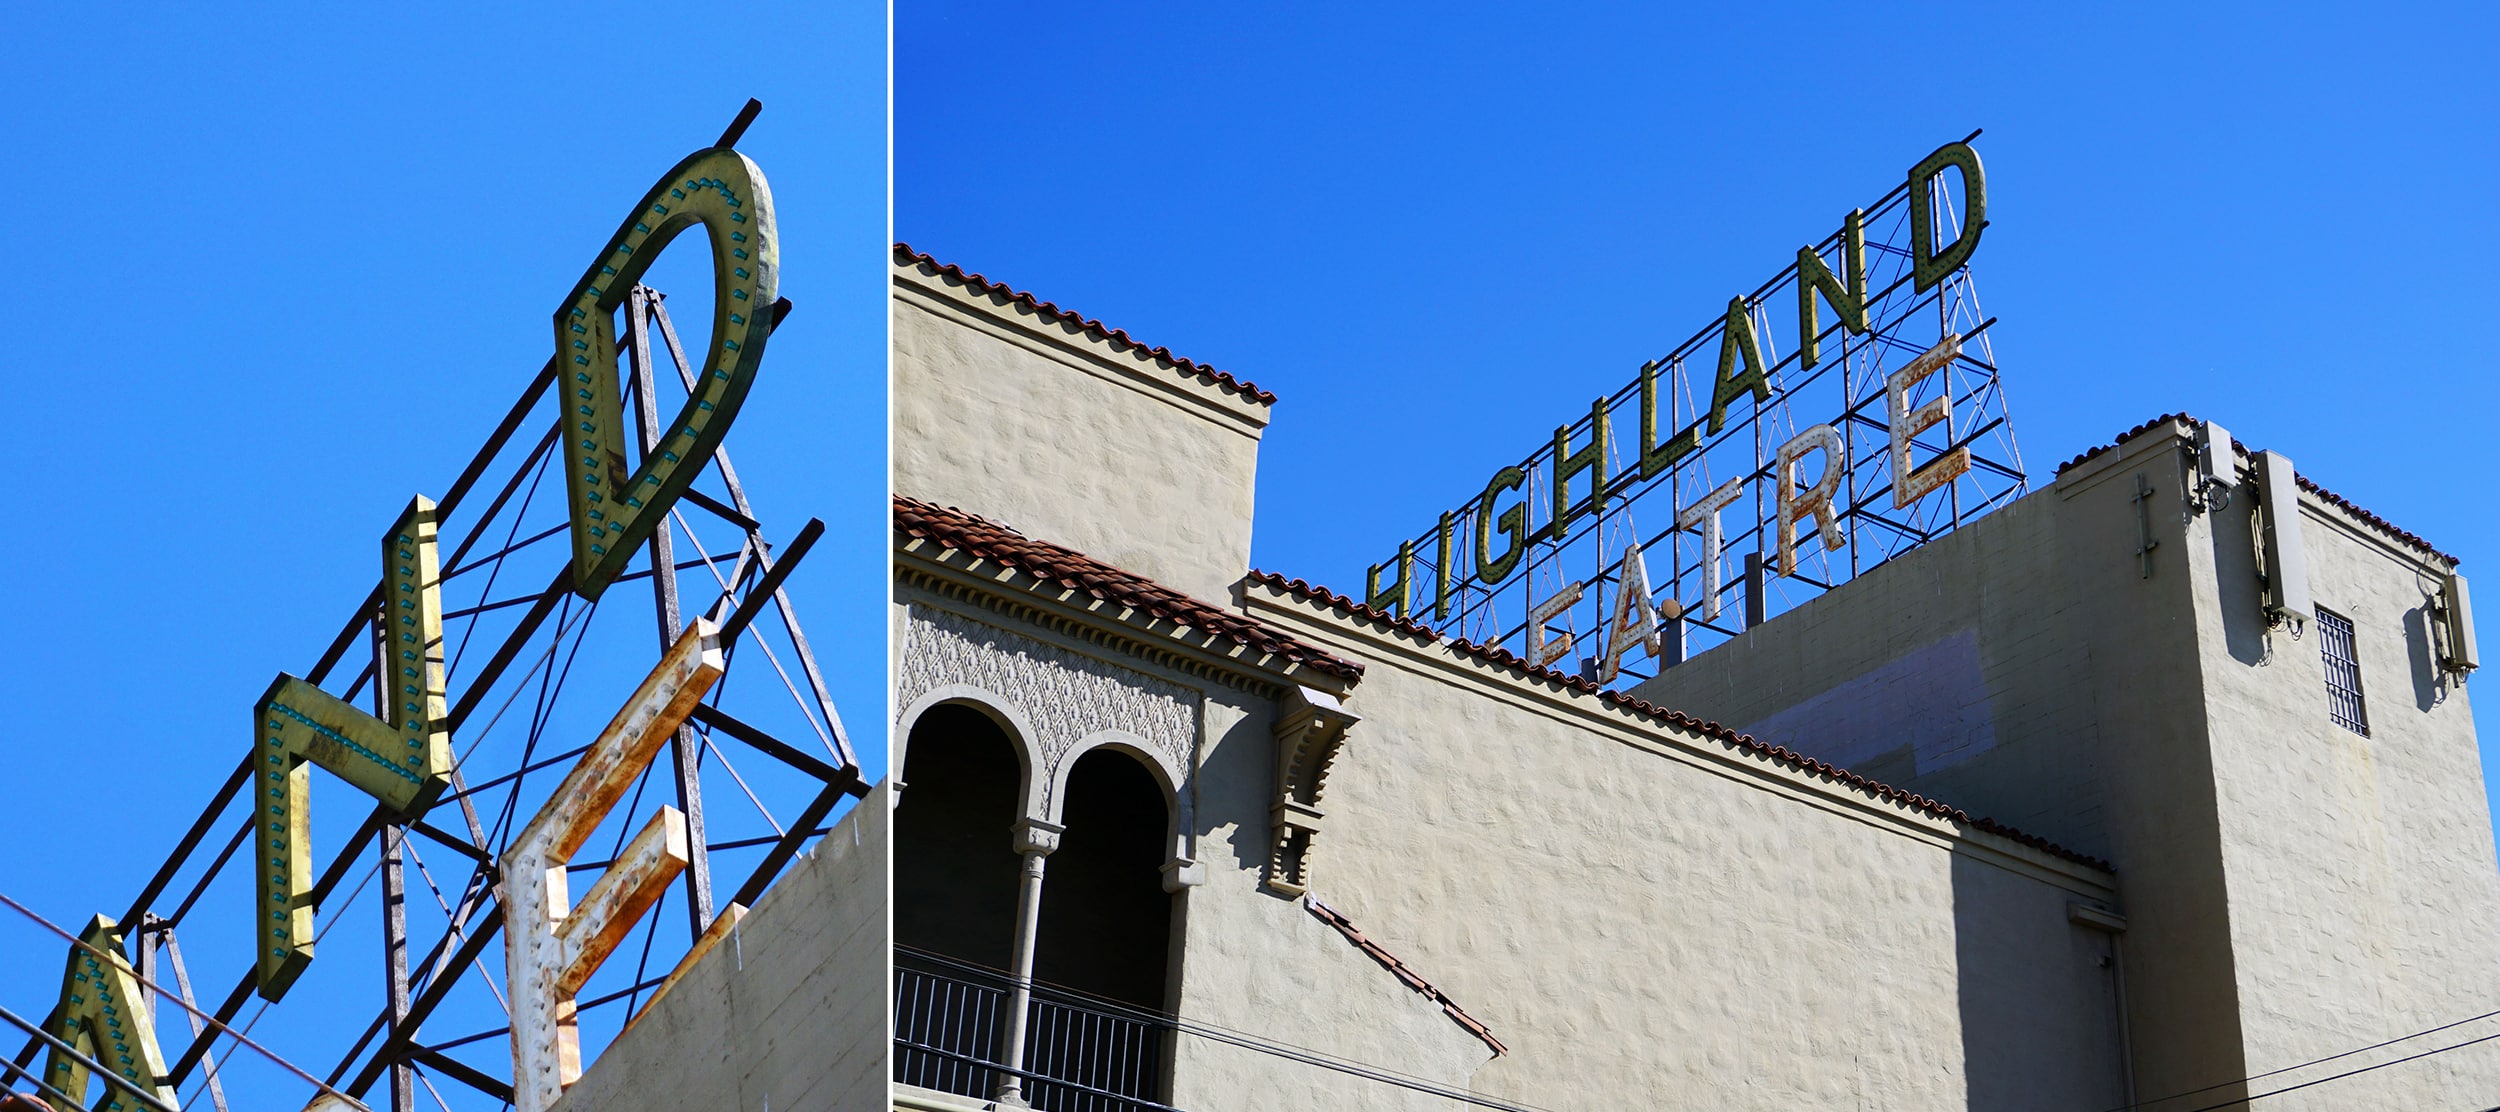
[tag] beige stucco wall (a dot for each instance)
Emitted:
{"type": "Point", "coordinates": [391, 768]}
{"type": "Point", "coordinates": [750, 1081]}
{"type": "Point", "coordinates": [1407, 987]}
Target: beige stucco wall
{"type": "Point", "coordinates": [2293, 890]}
{"type": "Point", "coordinates": [790, 1015]}
{"type": "Point", "coordinates": [1646, 916]}
{"type": "Point", "coordinates": [1631, 910]}
{"type": "Point", "coordinates": [2365, 902]}
{"type": "Point", "coordinates": [1255, 961]}
{"type": "Point", "coordinates": [1106, 449]}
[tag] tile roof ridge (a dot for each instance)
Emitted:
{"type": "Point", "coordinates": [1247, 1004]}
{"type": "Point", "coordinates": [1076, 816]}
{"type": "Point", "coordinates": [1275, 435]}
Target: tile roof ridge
{"type": "Point", "coordinates": [966, 531]}
{"type": "Point", "coordinates": [1404, 973]}
{"type": "Point", "coordinates": [1744, 742]}
{"type": "Point", "coordinates": [905, 255]}
{"type": "Point", "coordinates": [1301, 588]}
{"type": "Point", "coordinates": [2347, 505]}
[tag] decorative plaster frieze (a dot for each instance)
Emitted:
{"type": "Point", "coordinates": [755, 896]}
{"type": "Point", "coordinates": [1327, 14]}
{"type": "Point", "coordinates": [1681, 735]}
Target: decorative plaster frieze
{"type": "Point", "coordinates": [1067, 696]}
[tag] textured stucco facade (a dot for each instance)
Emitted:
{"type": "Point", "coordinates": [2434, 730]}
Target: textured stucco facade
{"type": "Point", "coordinates": [1567, 899]}
{"type": "Point", "coordinates": [1004, 408]}
{"type": "Point", "coordinates": [1635, 908]}
{"type": "Point", "coordinates": [777, 1016]}
{"type": "Point", "coordinates": [2293, 889]}
{"type": "Point", "coordinates": [1627, 906]}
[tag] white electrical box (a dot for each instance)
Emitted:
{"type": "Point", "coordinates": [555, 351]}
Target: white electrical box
{"type": "Point", "coordinates": [2287, 564]}
{"type": "Point", "coordinates": [2216, 463]}
{"type": "Point", "coordinates": [2458, 615]}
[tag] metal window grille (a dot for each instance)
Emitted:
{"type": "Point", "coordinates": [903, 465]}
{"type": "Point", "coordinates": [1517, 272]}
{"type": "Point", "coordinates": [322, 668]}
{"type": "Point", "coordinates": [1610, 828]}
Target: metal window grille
{"type": "Point", "coordinates": [2343, 672]}
{"type": "Point", "coordinates": [1081, 1054]}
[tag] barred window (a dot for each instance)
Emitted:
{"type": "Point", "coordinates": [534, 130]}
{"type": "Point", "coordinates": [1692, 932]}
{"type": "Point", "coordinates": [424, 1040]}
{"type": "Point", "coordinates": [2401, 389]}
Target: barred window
{"type": "Point", "coordinates": [2343, 672]}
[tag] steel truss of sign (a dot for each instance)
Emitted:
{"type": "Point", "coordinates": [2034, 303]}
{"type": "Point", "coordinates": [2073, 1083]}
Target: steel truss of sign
{"type": "Point", "coordinates": [1556, 596]}
{"type": "Point", "coordinates": [531, 676]}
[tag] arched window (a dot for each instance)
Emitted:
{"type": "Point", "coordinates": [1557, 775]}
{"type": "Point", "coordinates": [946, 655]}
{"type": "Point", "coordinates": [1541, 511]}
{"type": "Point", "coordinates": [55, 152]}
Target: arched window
{"type": "Point", "coordinates": [1102, 941]}
{"type": "Point", "coordinates": [955, 877]}
{"type": "Point", "coordinates": [1106, 920]}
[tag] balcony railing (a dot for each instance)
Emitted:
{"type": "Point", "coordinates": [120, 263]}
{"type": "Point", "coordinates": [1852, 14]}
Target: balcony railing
{"type": "Point", "coordinates": [1081, 1054]}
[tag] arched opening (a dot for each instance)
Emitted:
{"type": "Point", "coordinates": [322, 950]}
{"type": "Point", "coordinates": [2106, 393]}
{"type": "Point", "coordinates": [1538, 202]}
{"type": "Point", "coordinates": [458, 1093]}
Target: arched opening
{"type": "Point", "coordinates": [955, 878]}
{"type": "Point", "coordinates": [1104, 931]}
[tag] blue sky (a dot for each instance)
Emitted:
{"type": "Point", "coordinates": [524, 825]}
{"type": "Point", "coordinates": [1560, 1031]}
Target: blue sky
{"type": "Point", "coordinates": [1437, 233]}
{"type": "Point", "coordinates": [280, 269]}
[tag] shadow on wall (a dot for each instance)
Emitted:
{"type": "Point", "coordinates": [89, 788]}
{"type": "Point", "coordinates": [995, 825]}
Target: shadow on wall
{"type": "Point", "coordinates": [2039, 998]}
{"type": "Point", "coordinates": [1918, 714]}
{"type": "Point", "coordinates": [2426, 673]}
{"type": "Point", "coordinates": [2236, 577]}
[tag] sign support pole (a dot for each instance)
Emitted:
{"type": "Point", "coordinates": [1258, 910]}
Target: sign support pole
{"type": "Point", "coordinates": [684, 749]}
{"type": "Point", "coordinates": [395, 964]}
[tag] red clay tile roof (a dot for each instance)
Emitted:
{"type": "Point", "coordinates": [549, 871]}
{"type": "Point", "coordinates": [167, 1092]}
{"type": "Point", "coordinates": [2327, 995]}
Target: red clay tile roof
{"type": "Point", "coordinates": [2330, 497]}
{"type": "Point", "coordinates": [905, 256]}
{"type": "Point", "coordinates": [1680, 720]}
{"type": "Point", "coordinates": [1413, 980]}
{"type": "Point", "coordinates": [988, 540]}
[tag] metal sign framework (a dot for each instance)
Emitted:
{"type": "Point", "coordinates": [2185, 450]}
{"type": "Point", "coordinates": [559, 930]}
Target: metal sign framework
{"type": "Point", "coordinates": [515, 697]}
{"type": "Point", "coordinates": [1438, 577]}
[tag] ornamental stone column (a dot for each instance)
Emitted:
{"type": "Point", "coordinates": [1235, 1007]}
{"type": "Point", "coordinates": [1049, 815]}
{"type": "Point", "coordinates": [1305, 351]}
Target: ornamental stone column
{"type": "Point", "coordinates": [1034, 841]}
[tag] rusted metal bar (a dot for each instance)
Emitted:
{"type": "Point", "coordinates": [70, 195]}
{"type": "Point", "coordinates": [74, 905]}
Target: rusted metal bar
{"type": "Point", "coordinates": [330, 879]}
{"type": "Point", "coordinates": [729, 514]}
{"type": "Point", "coordinates": [182, 982]}
{"type": "Point", "coordinates": [452, 842]}
{"type": "Point", "coordinates": [395, 963]}
{"type": "Point", "coordinates": [190, 840]}
{"type": "Point", "coordinates": [738, 127]}
{"type": "Point", "coordinates": [495, 508]}
{"type": "Point", "coordinates": [685, 755]}
{"type": "Point", "coordinates": [800, 830]}
{"type": "Point", "coordinates": [461, 1072]}
{"type": "Point", "coordinates": [433, 963]}
{"type": "Point", "coordinates": [508, 549]}
{"type": "Point", "coordinates": [840, 741]}
{"type": "Point", "coordinates": [720, 721]}
{"type": "Point", "coordinates": [346, 639]}
{"type": "Point", "coordinates": [425, 1002]}
{"type": "Point", "coordinates": [225, 1015]}
{"type": "Point", "coordinates": [493, 447]}
{"type": "Point", "coordinates": [525, 770]}
{"type": "Point", "coordinates": [770, 586]}
{"type": "Point", "coordinates": [475, 690]}
{"type": "Point", "coordinates": [517, 600]}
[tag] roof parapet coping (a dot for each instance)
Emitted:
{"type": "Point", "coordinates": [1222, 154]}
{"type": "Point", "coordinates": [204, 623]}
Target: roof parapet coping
{"type": "Point", "coordinates": [1117, 340]}
{"type": "Point", "coordinates": [2184, 427]}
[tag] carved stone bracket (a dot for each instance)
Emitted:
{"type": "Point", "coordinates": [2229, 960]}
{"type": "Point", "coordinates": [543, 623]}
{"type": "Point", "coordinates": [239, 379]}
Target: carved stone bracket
{"type": "Point", "coordinates": [1035, 838]}
{"type": "Point", "coordinates": [1310, 729]}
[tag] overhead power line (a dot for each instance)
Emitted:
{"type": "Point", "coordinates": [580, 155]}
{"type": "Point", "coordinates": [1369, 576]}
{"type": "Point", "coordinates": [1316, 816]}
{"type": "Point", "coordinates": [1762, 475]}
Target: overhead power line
{"type": "Point", "coordinates": [169, 996]}
{"type": "Point", "coordinates": [1076, 1000]}
{"type": "Point", "coordinates": [2322, 1061]}
{"type": "Point", "coordinates": [2347, 1073]}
